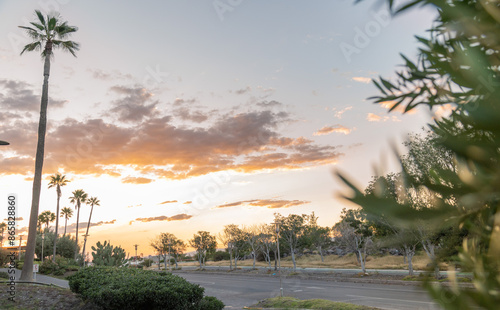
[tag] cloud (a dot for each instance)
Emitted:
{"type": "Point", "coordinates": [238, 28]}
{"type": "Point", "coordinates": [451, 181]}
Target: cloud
{"type": "Point", "coordinates": [243, 90]}
{"type": "Point", "coordinates": [326, 130]}
{"type": "Point", "coordinates": [168, 201]}
{"type": "Point", "coordinates": [362, 79]}
{"type": "Point", "coordinates": [18, 219]}
{"type": "Point", "coordinates": [157, 148]}
{"type": "Point", "coordinates": [180, 101]}
{"type": "Point", "coordinates": [82, 226]}
{"type": "Point", "coordinates": [338, 114]}
{"type": "Point", "coordinates": [269, 104]}
{"type": "Point", "coordinates": [108, 76]}
{"type": "Point", "coordinates": [266, 203]}
{"type": "Point", "coordinates": [177, 217]}
{"type": "Point", "coordinates": [400, 108]}
{"type": "Point", "coordinates": [184, 113]}
{"type": "Point", "coordinates": [137, 180]}
{"type": "Point", "coordinates": [371, 117]}
{"type": "Point", "coordinates": [187, 203]}
{"type": "Point", "coordinates": [133, 105]}
{"type": "Point", "coordinates": [19, 96]}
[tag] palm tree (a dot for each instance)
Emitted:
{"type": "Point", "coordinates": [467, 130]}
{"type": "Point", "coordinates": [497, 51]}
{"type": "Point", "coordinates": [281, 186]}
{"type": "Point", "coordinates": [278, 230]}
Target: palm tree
{"type": "Point", "coordinates": [48, 33]}
{"type": "Point", "coordinates": [92, 201]}
{"type": "Point", "coordinates": [57, 180]}
{"type": "Point", "coordinates": [46, 217]}
{"type": "Point", "coordinates": [79, 197]}
{"type": "Point", "coordinates": [66, 213]}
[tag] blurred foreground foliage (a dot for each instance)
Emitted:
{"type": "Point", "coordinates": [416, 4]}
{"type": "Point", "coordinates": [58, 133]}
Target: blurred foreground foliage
{"type": "Point", "coordinates": [457, 70]}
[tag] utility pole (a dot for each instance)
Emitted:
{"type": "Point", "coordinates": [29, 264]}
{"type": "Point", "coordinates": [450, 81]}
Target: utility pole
{"type": "Point", "coordinates": [20, 241]}
{"type": "Point", "coordinates": [136, 245]}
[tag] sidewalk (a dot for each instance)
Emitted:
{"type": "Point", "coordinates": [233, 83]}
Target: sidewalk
{"type": "Point", "coordinates": [42, 279]}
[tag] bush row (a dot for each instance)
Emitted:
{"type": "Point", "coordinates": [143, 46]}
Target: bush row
{"type": "Point", "coordinates": [131, 288]}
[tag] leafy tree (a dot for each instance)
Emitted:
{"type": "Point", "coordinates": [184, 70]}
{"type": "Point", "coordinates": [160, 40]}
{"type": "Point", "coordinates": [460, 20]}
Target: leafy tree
{"type": "Point", "coordinates": [292, 229]}
{"type": "Point", "coordinates": [267, 237]}
{"type": "Point", "coordinates": [225, 239]}
{"type": "Point", "coordinates": [169, 245]}
{"type": "Point", "coordinates": [48, 33]}
{"type": "Point", "coordinates": [354, 233]}
{"type": "Point", "coordinates": [317, 237]}
{"type": "Point", "coordinates": [107, 255]}
{"type": "Point", "coordinates": [457, 66]}
{"type": "Point", "coordinates": [66, 246]}
{"type": "Point", "coordinates": [205, 244]}
{"type": "Point", "coordinates": [79, 197]}
{"type": "Point", "coordinates": [234, 238]}
{"type": "Point", "coordinates": [67, 213]}
{"type": "Point", "coordinates": [48, 239]}
{"type": "Point", "coordinates": [57, 180]}
{"type": "Point", "coordinates": [92, 201]}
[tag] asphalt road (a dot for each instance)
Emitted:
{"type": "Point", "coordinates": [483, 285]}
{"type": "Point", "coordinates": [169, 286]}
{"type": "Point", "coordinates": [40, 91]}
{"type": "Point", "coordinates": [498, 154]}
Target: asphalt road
{"type": "Point", "coordinates": [238, 291]}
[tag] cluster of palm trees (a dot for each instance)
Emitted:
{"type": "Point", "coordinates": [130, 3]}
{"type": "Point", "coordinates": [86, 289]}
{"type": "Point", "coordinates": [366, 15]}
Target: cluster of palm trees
{"type": "Point", "coordinates": [79, 197]}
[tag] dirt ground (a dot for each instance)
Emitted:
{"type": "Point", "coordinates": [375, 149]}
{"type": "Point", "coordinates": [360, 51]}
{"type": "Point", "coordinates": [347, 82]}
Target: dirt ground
{"type": "Point", "coordinates": [41, 297]}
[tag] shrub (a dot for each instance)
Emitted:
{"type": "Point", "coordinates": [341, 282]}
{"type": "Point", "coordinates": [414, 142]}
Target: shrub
{"type": "Point", "coordinates": [221, 255]}
{"type": "Point", "coordinates": [131, 288]}
{"type": "Point", "coordinates": [146, 263]}
{"type": "Point", "coordinates": [4, 275]}
{"type": "Point", "coordinates": [211, 303]}
{"type": "Point", "coordinates": [20, 264]}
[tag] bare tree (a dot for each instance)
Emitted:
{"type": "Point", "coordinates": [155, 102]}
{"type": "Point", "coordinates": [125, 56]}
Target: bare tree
{"type": "Point", "coordinates": [251, 235]}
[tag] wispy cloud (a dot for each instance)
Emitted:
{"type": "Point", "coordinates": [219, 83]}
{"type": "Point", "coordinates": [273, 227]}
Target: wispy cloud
{"type": "Point", "coordinates": [362, 79]}
{"type": "Point", "coordinates": [265, 203]}
{"type": "Point", "coordinates": [338, 114]}
{"type": "Point", "coordinates": [177, 217]}
{"type": "Point", "coordinates": [326, 130]}
{"type": "Point", "coordinates": [167, 202]}
{"type": "Point", "coordinates": [137, 180]}
{"type": "Point", "coordinates": [371, 117]}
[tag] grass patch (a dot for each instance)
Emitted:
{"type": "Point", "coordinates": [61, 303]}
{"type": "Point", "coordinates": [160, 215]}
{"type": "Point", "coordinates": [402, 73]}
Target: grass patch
{"type": "Point", "coordinates": [294, 303]}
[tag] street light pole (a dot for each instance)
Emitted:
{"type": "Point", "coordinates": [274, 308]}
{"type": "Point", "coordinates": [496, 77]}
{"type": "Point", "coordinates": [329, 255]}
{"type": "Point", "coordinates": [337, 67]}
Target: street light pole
{"type": "Point", "coordinates": [277, 225]}
{"type": "Point", "coordinates": [43, 238]}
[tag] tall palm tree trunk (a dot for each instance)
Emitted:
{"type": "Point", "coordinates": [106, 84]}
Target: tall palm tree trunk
{"type": "Point", "coordinates": [27, 272]}
{"type": "Point", "coordinates": [77, 220]}
{"type": "Point", "coordinates": [87, 233]}
{"type": "Point", "coordinates": [57, 223]}
{"type": "Point", "coordinates": [65, 224]}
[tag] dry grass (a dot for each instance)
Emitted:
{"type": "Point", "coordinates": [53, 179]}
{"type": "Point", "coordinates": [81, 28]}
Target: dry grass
{"type": "Point", "coordinates": [420, 262]}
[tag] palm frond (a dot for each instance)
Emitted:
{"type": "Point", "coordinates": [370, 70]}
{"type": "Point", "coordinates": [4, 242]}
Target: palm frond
{"type": "Point", "coordinates": [33, 33]}
{"type": "Point", "coordinates": [35, 46]}
{"type": "Point", "coordinates": [52, 23]}
{"type": "Point", "coordinates": [67, 46]}
{"type": "Point", "coordinates": [40, 17]}
{"type": "Point", "coordinates": [39, 26]}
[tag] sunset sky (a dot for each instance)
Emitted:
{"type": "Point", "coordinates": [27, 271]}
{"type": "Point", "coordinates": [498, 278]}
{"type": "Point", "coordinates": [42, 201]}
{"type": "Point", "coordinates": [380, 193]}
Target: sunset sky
{"type": "Point", "coordinates": [189, 115]}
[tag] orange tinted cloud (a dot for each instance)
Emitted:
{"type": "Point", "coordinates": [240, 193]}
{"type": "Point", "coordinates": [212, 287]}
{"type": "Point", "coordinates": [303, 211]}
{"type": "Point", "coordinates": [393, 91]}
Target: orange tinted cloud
{"type": "Point", "coordinates": [266, 203]}
{"type": "Point", "coordinates": [400, 108]}
{"type": "Point", "coordinates": [139, 180]}
{"type": "Point", "coordinates": [362, 79]}
{"type": "Point", "coordinates": [168, 201]}
{"type": "Point", "coordinates": [156, 146]}
{"type": "Point", "coordinates": [326, 130]}
{"type": "Point", "coordinates": [177, 217]}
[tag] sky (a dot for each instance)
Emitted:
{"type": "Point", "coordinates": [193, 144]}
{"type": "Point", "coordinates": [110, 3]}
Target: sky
{"type": "Point", "coordinates": [181, 116]}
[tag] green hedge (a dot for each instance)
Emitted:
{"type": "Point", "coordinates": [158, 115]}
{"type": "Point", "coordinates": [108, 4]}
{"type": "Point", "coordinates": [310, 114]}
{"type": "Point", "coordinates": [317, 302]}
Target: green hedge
{"type": "Point", "coordinates": [131, 288]}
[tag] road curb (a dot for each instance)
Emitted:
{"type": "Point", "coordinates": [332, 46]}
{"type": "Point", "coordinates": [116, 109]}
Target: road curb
{"type": "Point", "coordinates": [365, 280]}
